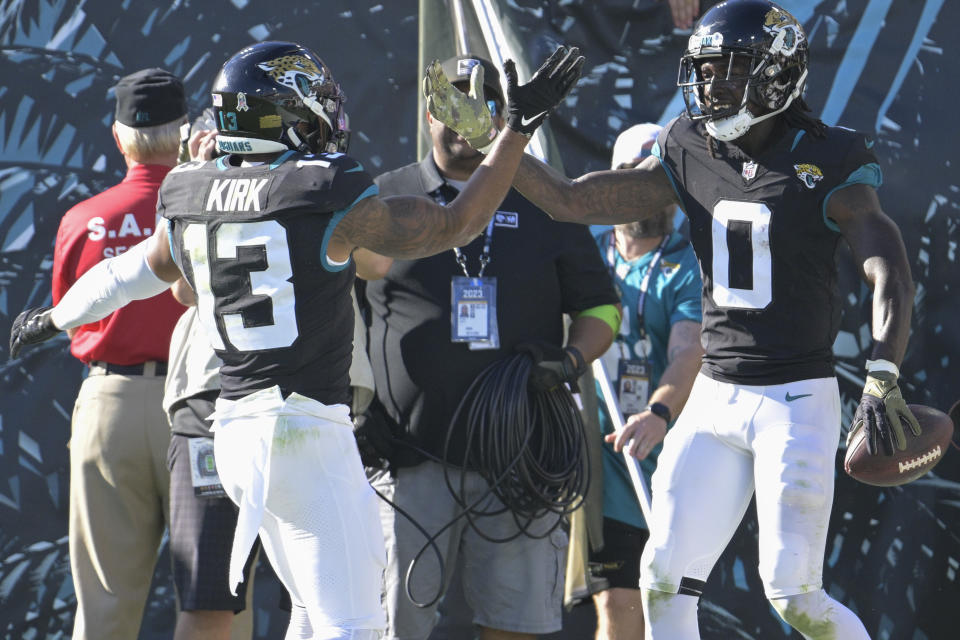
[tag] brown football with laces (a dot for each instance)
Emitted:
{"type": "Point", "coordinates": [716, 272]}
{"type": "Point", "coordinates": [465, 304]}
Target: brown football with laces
{"type": "Point", "coordinates": [923, 452]}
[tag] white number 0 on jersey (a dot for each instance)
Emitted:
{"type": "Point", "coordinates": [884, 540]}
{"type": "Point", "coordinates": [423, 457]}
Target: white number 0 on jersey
{"type": "Point", "coordinates": [757, 215]}
{"type": "Point", "coordinates": [274, 281]}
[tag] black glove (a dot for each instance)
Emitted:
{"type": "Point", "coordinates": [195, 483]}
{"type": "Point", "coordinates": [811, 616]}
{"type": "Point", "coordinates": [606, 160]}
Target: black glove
{"type": "Point", "coordinates": [374, 437]}
{"type": "Point", "coordinates": [882, 412]}
{"type": "Point", "coordinates": [552, 365]}
{"type": "Point", "coordinates": [33, 326]}
{"type": "Point", "coordinates": [529, 104]}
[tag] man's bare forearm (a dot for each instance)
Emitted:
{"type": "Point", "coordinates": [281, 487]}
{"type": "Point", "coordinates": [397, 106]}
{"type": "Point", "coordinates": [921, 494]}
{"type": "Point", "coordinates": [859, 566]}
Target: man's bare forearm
{"type": "Point", "coordinates": [409, 227]}
{"type": "Point", "coordinates": [892, 306]}
{"type": "Point", "coordinates": [488, 186]}
{"type": "Point", "coordinates": [684, 357]}
{"type": "Point", "coordinates": [591, 336]}
{"type": "Point", "coordinates": [602, 197]}
{"type": "Point", "coordinates": [878, 249]}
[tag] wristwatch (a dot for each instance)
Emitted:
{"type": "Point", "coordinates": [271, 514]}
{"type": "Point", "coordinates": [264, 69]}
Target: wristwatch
{"type": "Point", "coordinates": [659, 409]}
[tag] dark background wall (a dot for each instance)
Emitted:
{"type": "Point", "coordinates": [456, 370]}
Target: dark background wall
{"type": "Point", "coordinates": [881, 65]}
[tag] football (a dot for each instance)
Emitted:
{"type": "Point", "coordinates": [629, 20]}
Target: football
{"type": "Point", "coordinates": [923, 452]}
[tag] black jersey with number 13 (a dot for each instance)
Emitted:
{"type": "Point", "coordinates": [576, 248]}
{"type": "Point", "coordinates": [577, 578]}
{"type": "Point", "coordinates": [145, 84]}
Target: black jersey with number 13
{"type": "Point", "coordinates": [252, 242]}
{"type": "Point", "coordinates": [767, 250]}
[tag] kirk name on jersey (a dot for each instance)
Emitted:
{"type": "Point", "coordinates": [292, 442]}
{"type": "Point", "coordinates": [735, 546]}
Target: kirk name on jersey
{"type": "Point", "coordinates": [252, 242]}
{"type": "Point", "coordinates": [236, 194]}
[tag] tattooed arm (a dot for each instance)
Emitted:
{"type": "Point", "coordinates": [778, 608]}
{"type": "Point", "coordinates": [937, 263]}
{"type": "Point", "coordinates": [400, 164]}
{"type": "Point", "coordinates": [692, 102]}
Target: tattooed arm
{"type": "Point", "coordinates": [416, 227]}
{"type": "Point", "coordinates": [602, 197]}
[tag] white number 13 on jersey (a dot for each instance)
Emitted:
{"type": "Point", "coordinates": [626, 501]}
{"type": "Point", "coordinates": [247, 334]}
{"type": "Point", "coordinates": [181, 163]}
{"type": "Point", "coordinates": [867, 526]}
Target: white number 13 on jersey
{"type": "Point", "coordinates": [273, 281]}
{"type": "Point", "coordinates": [754, 216]}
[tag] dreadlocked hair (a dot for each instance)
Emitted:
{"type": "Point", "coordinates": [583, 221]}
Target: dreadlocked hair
{"type": "Point", "coordinates": [711, 143]}
{"type": "Point", "coordinates": [796, 116]}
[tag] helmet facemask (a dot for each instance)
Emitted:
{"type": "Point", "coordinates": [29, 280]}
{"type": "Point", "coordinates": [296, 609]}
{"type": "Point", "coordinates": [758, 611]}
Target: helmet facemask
{"type": "Point", "coordinates": [325, 99]}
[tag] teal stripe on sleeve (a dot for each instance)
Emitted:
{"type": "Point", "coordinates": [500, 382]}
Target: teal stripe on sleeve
{"type": "Point", "coordinates": [796, 140]}
{"type": "Point", "coordinates": [170, 240]}
{"type": "Point", "coordinates": [281, 159]}
{"type": "Point", "coordinates": [372, 190]}
{"type": "Point", "coordinates": [869, 174]}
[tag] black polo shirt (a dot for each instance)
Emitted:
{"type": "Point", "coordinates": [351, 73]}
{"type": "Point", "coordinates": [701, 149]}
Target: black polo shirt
{"type": "Point", "coordinates": [543, 270]}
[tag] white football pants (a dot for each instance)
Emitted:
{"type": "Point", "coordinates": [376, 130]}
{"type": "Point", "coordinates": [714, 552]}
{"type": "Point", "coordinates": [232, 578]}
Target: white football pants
{"type": "Point", "coordinates": [293, 468]}
{"type": "Point", "coordinates": [732, 440]}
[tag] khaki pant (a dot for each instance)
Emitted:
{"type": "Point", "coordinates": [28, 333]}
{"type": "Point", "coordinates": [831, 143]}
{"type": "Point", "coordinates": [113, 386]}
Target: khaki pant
{"type": "Point", "coordinates": [119, 501]}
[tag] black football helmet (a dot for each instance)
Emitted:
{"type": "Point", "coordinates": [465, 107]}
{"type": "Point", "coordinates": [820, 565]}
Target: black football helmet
{"type": "Point", "coordinates": [776, 47]}
{"type": "Point", "coordinates": [274, 96]}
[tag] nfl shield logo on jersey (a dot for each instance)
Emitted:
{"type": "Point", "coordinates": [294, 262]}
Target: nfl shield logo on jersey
{"type": "Point", "coordinates": [749, 170]}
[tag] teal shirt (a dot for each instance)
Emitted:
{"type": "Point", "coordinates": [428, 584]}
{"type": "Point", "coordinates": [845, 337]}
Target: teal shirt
{"type": "Point", "coordinates": [673, 294]}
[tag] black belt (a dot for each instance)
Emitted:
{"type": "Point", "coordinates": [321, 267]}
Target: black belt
{"type": "Point", "coordinates": [158, 368]}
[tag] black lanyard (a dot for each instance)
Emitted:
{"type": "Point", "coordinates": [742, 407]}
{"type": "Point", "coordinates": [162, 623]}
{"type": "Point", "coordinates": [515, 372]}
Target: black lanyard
{"type": "Point", "coordinates": [645, 283]}
{"type": "Point", "coordinates": [440, 199]}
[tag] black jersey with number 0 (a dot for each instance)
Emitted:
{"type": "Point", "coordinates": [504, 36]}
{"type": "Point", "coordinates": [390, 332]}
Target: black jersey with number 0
{"type": "Point", "coordinates": [252, 242]}
{"type": "Point", "coordinates": [771, 307]}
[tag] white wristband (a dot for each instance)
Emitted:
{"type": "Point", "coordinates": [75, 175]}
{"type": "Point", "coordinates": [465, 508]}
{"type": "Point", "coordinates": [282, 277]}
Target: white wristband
{"type": "Point", "coordinates": [883, 365]}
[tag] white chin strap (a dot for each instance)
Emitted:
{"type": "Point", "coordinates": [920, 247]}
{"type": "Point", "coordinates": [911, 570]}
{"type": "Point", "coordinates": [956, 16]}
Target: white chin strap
{"type": "Point", "coordinates": [734, 126]}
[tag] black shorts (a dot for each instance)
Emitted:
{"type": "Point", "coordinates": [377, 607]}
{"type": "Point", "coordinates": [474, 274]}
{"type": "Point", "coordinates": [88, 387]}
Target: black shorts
{"type": "Point", "coordinates": [201, 537]}
{"type": "Point", "coordinates": [619, 561]}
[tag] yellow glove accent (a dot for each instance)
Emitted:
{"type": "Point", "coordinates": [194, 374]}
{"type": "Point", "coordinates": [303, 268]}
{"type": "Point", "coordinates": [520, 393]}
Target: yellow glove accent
{"type": "Point", "coordinates": [883, 385]}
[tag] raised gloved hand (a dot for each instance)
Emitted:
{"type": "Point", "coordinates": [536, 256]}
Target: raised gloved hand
{"type": "Point", "coordinates": [374, 437]}
{"type": "Point", "coordinates": [33, 326]}
{"type": "Point", "coordinates": [882, 412]}
{"type": "Point", "coordinates": [467, 114]}
{"type": "Point", "coordinates": [529, 104]}
{"type": "Point", "coordinates": [552, 365]}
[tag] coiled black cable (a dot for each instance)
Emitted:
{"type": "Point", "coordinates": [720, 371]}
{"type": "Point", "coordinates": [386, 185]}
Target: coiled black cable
{"type": "Point", "coordinates": [530, 447]}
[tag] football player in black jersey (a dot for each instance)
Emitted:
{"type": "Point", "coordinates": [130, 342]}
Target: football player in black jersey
{"type": "Point", "coordinates": [264, 236]}
{"type": "Point", "coordinates": [769, 191]}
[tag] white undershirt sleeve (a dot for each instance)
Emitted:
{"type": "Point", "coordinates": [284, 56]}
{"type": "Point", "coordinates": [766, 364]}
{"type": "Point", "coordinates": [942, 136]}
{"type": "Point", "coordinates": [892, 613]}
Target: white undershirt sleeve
{"type": "Point", "coordinates": [107, 286]}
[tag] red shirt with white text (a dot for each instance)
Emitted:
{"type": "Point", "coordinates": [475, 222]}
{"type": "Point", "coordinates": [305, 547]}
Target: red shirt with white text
{"type": "Point", "coordinates": [101, 227]}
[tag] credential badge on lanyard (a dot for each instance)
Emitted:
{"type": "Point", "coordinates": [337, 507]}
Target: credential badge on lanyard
{"type": "Point", "coordinates": [633, 374]}
{"type": "Point", "coordinates": [473, 300]}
